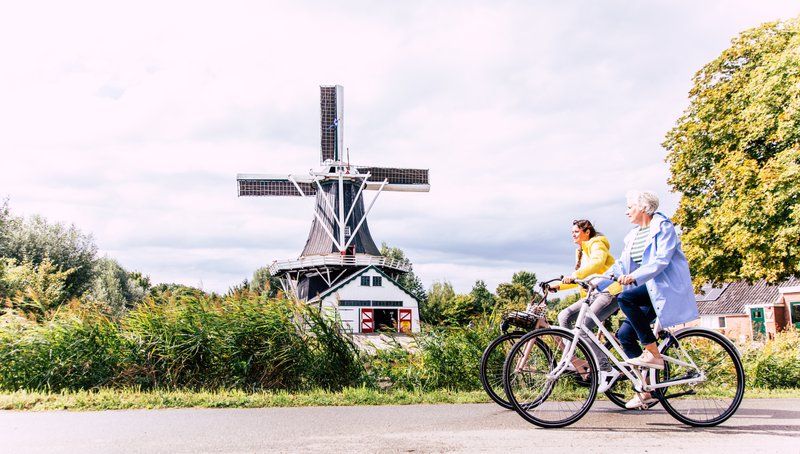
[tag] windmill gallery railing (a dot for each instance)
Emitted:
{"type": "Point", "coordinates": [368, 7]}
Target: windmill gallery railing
{"type": "Point", "coordinates": [337, 260]}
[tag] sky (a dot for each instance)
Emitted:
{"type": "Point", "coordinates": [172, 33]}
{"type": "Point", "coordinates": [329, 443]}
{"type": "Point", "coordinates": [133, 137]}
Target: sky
{"type": "Point", "coordinates": [132, 119]}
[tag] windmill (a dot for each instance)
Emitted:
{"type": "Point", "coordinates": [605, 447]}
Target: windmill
{"type": "Point", "coordinates": [339, 247]}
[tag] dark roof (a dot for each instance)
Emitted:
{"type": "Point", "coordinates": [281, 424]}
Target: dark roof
{"type": "Point", "coordinates": [359, 273]}
{"type": "Point", "coordinates": [318, 242]}
{"type": "Point", "coordinates": [732, 298]}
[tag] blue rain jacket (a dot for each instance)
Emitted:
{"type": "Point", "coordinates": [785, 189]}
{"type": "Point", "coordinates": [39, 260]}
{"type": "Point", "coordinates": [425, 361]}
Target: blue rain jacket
{"type": "Point", "coordinates": [664, 270]}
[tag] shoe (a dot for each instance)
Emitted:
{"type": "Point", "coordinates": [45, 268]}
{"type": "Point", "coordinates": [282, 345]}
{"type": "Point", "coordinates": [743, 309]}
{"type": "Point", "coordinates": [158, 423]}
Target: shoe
{"type": "Point", "coordinates": [581, 369]}
{"type": "Point", "coordinates": [646, 359]}
{"type": "Point", "coordinates": [607, 379]}
{"type": "Point", "coordinates": [638, 403]}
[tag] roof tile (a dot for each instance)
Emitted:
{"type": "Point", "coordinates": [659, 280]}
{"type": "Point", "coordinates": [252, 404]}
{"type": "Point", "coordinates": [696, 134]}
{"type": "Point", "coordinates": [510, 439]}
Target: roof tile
{"type": "Point", "coordinates": [734, 296]}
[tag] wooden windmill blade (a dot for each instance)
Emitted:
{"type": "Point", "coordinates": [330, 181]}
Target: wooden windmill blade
{"type": "Point", "coordinates": [267, 185]}
{"type": "Point", "coordinates": [397, 179]}
{"type": "Point", "coordinates": [331, 109]}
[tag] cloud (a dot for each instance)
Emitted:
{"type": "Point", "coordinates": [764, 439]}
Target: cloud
{"type": "Point", "coordinates": [132, 122]}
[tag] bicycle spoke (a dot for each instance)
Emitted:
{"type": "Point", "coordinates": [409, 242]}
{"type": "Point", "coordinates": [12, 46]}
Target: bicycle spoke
{"type": "Point", "coordinates": [713, 400]}
{"type": "Point", "coordinates": [537, 395]}
{"type": "Point", "coordinates": [491, 369]}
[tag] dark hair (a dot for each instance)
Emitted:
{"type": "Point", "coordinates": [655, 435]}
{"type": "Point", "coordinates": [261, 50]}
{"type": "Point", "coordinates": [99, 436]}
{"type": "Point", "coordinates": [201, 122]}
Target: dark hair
{"type": "Point", "coordinates": [584, 225]}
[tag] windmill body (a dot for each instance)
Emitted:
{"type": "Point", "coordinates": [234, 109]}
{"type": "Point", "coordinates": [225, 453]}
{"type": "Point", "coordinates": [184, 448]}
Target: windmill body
{"type": "Point", "coordinates": [341, 268]}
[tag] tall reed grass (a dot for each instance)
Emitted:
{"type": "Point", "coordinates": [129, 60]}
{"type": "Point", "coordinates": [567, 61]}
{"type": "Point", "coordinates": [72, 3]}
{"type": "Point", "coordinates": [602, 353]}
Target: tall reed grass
{"type": "Point", "coordinates": [189, 340]}
{"type": "Point", "coordinates": [182, 340]}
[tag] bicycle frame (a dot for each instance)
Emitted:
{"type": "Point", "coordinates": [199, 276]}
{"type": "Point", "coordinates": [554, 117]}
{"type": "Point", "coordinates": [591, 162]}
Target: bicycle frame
{"type": "Point", "coordinates": [637, 378]}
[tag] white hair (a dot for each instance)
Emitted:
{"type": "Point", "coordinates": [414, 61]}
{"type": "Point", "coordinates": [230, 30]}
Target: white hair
{"type": "Point", "coordinates": [645, 200]}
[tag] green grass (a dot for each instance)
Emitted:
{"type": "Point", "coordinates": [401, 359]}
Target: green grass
{"type": "Point", "coordinates": [111, 399]}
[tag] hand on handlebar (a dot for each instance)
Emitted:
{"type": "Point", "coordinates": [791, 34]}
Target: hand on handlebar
{"type": "Point", "coordinates": [626, 279]}
{"type": "Point", "coordinates": [568, 280]}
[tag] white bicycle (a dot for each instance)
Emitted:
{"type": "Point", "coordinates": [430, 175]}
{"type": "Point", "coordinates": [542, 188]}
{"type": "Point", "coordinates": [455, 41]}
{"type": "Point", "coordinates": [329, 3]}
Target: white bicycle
{"type": "Point", "coordinates": [702, 383]}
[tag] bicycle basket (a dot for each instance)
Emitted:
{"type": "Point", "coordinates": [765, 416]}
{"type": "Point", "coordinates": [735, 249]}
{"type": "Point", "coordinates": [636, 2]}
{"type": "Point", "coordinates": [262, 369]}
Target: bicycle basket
{"type": "Point", "coordinates": [522, 320]}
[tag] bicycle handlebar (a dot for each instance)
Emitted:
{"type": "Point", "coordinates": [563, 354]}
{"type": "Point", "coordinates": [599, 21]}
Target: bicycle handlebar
{"type": "Point", "coordinates": [587, 281]}
{"type": "Point", "coordinates": [545, 286]}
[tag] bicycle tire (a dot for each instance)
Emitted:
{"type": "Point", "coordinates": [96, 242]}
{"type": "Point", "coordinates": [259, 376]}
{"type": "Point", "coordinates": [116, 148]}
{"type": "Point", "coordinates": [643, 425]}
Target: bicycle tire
{"type": "Point", "coordinates": [491, 373]}
{"type": "Point", "coordinates": [720, 395]}
{"type": "Point", "coordinates": [537, 410]}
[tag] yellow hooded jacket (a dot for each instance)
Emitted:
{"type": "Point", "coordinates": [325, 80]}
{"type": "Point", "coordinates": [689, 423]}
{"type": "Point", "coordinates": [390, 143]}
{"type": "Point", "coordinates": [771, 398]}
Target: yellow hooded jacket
{"type": "Point", "coordinates": [596, 260]}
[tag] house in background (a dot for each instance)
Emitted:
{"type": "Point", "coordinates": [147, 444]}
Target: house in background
{"type": "Point", "coordinates": [371, 301]}
{"type": "Point", "coordinates": [741, 310]}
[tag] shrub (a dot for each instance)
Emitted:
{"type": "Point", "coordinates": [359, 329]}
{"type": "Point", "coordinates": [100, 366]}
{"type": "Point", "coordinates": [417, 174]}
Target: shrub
{"type": "Point", "coordinates": [451, 356]}
{"type": "Point", "coordinates": [34, 240]}
{"type": "Point", "coordinates": [74, 350]}
{"type": "Point", "coordinates": [32, 289]}
{"type": "Point", "coordinates": [776, 363]}
{"type": "Point", "coordinates": [447, 358]}
{"type": "Point", "coordinates": [116, 288]}
{"type": "Point", "coordinates": [181, 339]}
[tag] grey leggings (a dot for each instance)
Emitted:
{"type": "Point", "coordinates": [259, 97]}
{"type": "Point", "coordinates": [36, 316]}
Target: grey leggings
{"type": "Point", "coordinates": [603, 306]}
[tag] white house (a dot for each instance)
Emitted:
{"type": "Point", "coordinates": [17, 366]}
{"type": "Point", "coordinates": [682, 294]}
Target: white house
{"type": "Point", "coordinates": [370, 301]}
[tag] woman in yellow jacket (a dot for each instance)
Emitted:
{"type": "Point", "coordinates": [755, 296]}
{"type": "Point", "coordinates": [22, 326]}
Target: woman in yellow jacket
{"type": "Point", "coordinates": [591, 257]}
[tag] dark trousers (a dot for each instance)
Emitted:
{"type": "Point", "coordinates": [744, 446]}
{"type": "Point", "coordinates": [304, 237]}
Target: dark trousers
{"type": "Point", "coordinates": [636, 305]}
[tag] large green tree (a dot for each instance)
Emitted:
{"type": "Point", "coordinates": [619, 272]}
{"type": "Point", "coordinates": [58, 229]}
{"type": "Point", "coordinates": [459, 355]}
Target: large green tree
{"type": "Point", "coordinates": [735, 158]}
{"type": "Point", "coordinates": [409, 280]}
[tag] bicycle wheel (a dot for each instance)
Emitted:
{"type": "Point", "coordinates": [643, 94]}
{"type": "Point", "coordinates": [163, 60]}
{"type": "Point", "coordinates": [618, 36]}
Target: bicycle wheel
{"type": "Point", "coordinates": [538, 397]}
{"type": "Point", "coordinates": [491, 368]}
{"type": "Point", "coordinates": [714, 400]}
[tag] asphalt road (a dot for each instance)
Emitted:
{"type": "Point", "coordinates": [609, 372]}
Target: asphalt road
{"type": "Point", "coordinates": [768, 425]}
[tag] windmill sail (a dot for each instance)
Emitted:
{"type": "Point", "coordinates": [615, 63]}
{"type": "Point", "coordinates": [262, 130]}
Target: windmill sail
{"type": "Point", "coordinates": [255, 185]}
{"type": "Point", "coordinates": [399, 179]}
{"type": "Point", "coordinates": [331, 124]}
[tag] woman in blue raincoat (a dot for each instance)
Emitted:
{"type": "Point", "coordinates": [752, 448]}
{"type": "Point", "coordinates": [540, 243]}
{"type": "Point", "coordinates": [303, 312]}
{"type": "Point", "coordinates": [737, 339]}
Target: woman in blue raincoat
{"type": "Point", "coordinates": [656, 273]}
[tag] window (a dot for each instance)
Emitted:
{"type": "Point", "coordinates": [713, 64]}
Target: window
{"type": "Point", "coordinates": [376, 281]}
{"type": "Point", "coordinates": [388, 303]}
{"type": "Point", "coordinates": [365, 281]}
{"type": "Point", "coordinates": [354, 303]}
{"type": "Point", "coordinates": [721, 322]}
{"type": "Point", "coordinates": [796, 314]}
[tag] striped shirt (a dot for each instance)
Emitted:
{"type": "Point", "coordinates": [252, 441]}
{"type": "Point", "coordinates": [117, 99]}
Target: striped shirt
{"type": "Point", "coordinates": [639, 243]}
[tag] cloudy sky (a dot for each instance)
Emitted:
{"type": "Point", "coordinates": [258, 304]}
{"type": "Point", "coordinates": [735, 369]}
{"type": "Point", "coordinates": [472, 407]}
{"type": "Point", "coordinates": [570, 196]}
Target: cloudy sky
{"type": "Point", "coordinates": [132, 119]}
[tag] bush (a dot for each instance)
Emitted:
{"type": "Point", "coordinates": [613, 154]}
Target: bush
{"type": "Point", "coordinates": [34, 241]}
{"type": "Point", "coordinates": [117, 289]}
{"type": "Point", "coordinates": [447, 358]}
{"type": "Point", "coordinates": [776, 363]}
{"type": "Point", "coordinates": [74, 350]}
{"type": "Point", "coordinates": [183, 339]}
{"type": "Point", "coordinates": [35, 290]}
{"type": "Point", "coordinates": [451, 356]}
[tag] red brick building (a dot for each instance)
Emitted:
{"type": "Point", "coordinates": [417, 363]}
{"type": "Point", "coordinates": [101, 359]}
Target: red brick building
{"type": "Point", "coordinates": [741, 310]}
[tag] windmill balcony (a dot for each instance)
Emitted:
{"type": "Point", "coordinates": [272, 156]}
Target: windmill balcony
{"type": "Point", "coordinates": [337, 260]}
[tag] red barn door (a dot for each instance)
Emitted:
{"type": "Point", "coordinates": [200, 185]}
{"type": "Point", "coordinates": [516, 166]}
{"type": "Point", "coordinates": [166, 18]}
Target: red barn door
{"type": "Point", "coordinates": [367, 321]}
{"type": "Point", "coordinates": [405, 320]}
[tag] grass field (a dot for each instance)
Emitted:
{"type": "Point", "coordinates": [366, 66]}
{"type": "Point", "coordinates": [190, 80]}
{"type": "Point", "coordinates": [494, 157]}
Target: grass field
{"type": "Point", "coordinates": [108, 399]}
